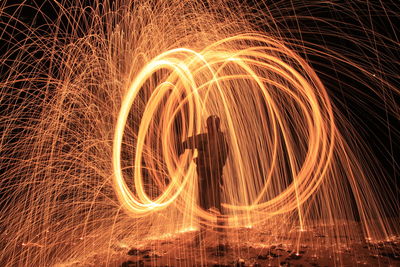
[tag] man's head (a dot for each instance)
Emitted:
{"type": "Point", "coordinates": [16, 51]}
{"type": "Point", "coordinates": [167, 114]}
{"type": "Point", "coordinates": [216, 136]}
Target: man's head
{"type": "Point", "coordinates": [213, 124]}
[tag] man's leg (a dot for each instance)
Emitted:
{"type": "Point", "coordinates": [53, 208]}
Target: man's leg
{"type": "Point", "coordinates": [201, 235]}
{"type": "Point", "coordinates": [216, 191]}
{"type": "Point", "coordinates": [221, 218]}
{"type": "Point", "coordinates": [202, 174]}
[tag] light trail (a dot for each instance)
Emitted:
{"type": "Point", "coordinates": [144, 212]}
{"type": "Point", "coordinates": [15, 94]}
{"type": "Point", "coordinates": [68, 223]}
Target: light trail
{"type": "Point", "coordinates": [214, 71]}
{"type": "Point", "coordinates": [95, 101]}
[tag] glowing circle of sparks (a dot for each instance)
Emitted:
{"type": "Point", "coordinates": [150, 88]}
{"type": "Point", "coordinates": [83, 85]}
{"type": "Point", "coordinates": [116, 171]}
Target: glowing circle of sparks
{"type": "Point", "coordinates": [193, 75]}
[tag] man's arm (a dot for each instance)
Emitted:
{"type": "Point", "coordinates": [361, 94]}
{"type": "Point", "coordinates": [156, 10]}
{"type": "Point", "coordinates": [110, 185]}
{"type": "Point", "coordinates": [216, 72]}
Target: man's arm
{"type": "Point", "coordinates": [189, 143]}
{"type": "Point", "coordinates": [224, 149]}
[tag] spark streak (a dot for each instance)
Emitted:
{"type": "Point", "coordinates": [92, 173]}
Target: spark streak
{"type": "Point", "coordinates": [95, 100]}
{"type": "Point", "coordinates": [211, 76]}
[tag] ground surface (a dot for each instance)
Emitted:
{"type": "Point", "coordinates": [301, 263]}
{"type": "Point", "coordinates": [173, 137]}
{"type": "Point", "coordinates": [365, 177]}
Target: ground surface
{"type": "Point", "coordinates": [248, 247]}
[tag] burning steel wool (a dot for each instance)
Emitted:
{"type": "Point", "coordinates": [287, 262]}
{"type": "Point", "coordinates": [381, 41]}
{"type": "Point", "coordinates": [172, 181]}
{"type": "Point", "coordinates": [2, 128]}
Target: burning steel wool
{"type": "Point", "coordinates": [97, 98]}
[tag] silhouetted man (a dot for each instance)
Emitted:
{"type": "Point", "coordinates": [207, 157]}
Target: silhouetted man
{"type": "Point", "coordinates": [212, 154]}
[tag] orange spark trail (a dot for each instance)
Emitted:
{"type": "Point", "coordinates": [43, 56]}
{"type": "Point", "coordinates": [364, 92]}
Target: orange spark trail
{"type": "Point", "coordinates": [213, 76]}
{"type": "Point", "coordinates": [95, 100]}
